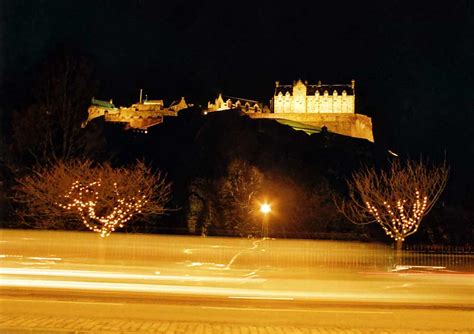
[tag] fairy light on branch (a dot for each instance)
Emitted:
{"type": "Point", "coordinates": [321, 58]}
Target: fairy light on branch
{"type": "Point", "coordinates": [401, 221]}
{"type": "Point", "coordinates": [84, 199]}
{"type": "Point", "coordinates": [397, 198]}
{"type": "Point", "coordinates": [100, 196]}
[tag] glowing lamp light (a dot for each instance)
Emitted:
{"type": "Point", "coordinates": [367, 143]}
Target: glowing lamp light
{"type": "Point", "coordinates": [265, 208]}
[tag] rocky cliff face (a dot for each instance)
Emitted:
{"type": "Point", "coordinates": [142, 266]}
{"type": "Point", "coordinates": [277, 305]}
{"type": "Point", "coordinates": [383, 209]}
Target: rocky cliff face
{"type": "Point", "coordinates": [353, 125]}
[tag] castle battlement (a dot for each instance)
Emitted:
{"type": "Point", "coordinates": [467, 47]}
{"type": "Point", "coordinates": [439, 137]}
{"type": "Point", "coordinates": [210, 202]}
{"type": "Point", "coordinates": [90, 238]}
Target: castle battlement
{"type": "Point", "coordinates": [141, 115]}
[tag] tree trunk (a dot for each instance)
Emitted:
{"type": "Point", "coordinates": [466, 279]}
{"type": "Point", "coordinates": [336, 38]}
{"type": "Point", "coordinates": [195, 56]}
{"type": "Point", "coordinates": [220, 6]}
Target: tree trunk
{"type": "Point", "coordinates": [398, 252]}
{"type": "Point", "coordinates": [101, 250]}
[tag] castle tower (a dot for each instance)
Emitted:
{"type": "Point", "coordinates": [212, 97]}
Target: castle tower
{"type": "Point", "coordinates": [299, 97]}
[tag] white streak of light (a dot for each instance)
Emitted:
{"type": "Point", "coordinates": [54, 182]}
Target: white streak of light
{"type": "Point", "coordinates": [106, 275]}
{"type": "Point", "coordinates": [266, 298]}
{"type": "Point", "coordinates": [55, 302]}
{"type": "Point", "coordinates": [186, 290]}
{"type": "Point", "coordinates": [129, 287]}
{"type": "Point", "coordinates": [296, 310]}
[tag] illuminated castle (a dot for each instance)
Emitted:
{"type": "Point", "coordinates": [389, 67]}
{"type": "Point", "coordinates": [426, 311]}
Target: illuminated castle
{"type": "Point", "coordinates": [141, 115]}
{"type": "Point", "coordinates": [302, 106]}
{"type": "Point", "coordinates": [308, 107]}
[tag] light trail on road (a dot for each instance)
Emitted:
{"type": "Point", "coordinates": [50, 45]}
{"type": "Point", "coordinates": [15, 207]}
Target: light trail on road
{"type": "Point", "coordinates": [224, 279]}
{"type": "Point", "coordinates": [110, 275]}
{"type": "Point", "coordinates": [225, 268]}
{"type": "Point", "coordinates": [282, 289]}
{"type": "Point", "coordinates": [189, 290]}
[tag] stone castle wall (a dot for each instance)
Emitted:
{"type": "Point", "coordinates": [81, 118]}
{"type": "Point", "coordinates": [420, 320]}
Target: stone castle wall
{"type": "Point", "coordinates": [354, 125]}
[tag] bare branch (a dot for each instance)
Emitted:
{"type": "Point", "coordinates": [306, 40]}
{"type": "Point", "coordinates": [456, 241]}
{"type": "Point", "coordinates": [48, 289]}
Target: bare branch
{"type": "Point", "coordinates": [396, 199]}
{"type": "Point", "coordinates": [101, 197]}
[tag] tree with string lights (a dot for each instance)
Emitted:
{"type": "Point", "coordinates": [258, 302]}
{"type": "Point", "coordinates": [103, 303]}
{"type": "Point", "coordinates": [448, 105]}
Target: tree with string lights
{"type": "Point", "coordinates": [100, 197]}
{"type": "Point", "coordinates": [396, 199]}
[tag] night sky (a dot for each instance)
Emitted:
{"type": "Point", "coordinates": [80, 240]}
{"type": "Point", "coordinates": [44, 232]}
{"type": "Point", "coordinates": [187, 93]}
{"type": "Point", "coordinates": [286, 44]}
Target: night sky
{"type": "Point", "coordinates": [412, 60]}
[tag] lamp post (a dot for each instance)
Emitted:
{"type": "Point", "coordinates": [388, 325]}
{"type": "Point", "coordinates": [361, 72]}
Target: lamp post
{"type": "Point", "coordinates": [265, 209]}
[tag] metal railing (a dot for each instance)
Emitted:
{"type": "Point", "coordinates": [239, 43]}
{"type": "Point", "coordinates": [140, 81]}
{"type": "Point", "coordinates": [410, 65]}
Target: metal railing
{"type": "Point", "coordinates": [144, 249]}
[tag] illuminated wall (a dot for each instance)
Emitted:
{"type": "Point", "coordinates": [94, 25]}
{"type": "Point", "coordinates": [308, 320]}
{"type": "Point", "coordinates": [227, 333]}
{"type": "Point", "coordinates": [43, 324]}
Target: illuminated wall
{"type": "Point", "coordinates": [320, 98]}
{"type": "Point", "coordinates": [353, 125]}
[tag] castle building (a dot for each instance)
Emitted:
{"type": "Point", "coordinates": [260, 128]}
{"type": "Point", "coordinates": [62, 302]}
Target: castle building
{"type": "Point", "coordinates": [246, 105]}
{"type": "Point", "coordinates": [141, 115]}
{"type": "Point", "coordinates": [303, 98]}
{"type": "Point", "coordinates": [302, 106]}
{"type": "Point", "coordinates": [330, 106]}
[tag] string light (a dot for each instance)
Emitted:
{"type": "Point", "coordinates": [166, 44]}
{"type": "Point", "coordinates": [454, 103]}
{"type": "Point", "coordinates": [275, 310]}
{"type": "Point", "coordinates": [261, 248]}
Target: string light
{"type": "Point", "coordinates": [401, 221]}
{"type": "Point", "coordinates": [84, 198]}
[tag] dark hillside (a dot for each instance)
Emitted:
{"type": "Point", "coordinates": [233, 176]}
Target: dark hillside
{"type": "Point", "coordinates": [301, 173]}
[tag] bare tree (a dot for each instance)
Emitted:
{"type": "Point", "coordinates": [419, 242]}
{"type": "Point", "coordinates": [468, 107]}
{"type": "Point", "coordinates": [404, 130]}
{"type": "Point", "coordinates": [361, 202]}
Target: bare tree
{"type": "Point", "coordinates": [396, 199]}
{"type": "Point", "coordinates": [50, 127]}
{"type": "Point", "coordinates": [237, 193]}
{"type": "Point", "coordinates": [101, 197]}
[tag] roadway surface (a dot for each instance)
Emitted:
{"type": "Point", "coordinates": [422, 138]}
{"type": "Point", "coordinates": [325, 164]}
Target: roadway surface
{"type": "Point", "coordinates": [75, 282]}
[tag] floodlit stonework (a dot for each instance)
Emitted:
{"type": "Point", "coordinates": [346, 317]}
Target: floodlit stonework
{"type": "Point", "coordinates": [323, 99]}
{"type": "Point", "coordinates": [321, 105]}
{"type": "Point", "coordinates": [141, 115]}
{"type": "Point", "coordinates": [353, 125]}
{"type": "Point", "coordinates": [249, 106]}
{"type": "Point", "coordinates": [310, 105]}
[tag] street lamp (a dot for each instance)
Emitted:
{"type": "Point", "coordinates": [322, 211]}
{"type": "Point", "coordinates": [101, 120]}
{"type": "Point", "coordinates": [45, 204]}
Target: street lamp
{"type": "Point", "coordinates": [265, 209]}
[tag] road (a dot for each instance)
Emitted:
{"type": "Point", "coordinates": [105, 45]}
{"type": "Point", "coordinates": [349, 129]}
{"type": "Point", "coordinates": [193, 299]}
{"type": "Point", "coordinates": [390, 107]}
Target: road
{"type": "Point", "coordinates": [74, 279]}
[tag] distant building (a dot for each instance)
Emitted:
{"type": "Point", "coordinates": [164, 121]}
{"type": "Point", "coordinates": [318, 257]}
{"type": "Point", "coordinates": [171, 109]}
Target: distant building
{"type": "Point", "coordinates": [316, 106]}
{"type": "Point", "coordinates": [141, 115]}
{"type": "Point", "coordinates": [246, 105]}
{"type": "Point", "coordinates": [178, 105]}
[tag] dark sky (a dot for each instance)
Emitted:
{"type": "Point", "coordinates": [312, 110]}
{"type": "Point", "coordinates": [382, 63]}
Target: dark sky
{"type": "Point", "coordinates": [412, 60]}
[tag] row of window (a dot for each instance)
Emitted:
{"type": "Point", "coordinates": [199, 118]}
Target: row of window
{"type": "Point", "coordinates": [326, 93]}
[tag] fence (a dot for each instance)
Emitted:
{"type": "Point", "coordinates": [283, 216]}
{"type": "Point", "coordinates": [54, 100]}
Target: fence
{"type": "Point", "coordinates": [452, 257]}
{"type": "Point", "coordinates": [140, 249]}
